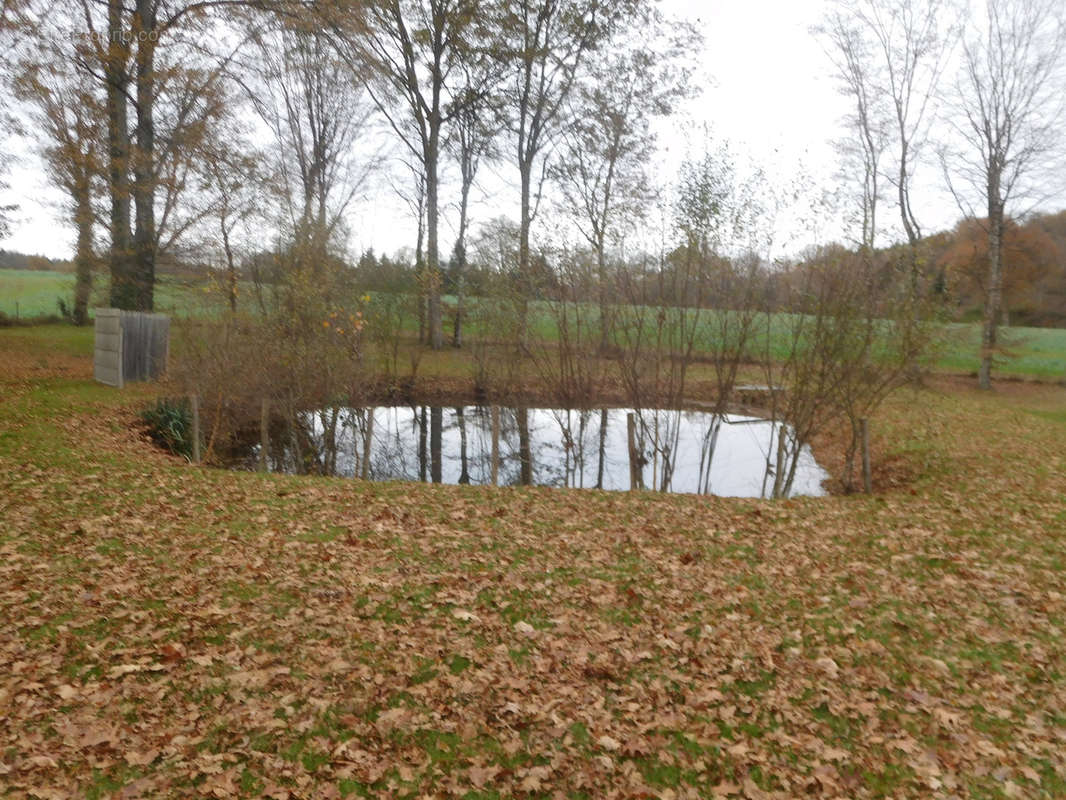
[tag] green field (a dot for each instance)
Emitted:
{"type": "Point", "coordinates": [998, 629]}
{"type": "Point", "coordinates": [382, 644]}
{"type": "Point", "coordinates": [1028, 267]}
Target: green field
{"type": "Point", "coordinates": [28, 294]}
{"type": "Point", "coordinates": [1029, 352]}
{"type": "Point", "coordinates": [33, 294]}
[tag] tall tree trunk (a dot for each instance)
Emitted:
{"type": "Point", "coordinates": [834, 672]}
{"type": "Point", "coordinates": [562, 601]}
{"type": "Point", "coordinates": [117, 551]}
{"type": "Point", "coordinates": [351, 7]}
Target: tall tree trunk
{"type": "Point", "coordinates": [989, 333]}
{"type": "Point", "coordinates": [601, 266]}
{"type": "Point", "coordinates": [231, 268]}
{"type": "Point", "coordinates": [118, 141]}
{"type": "Point", "coordinates": [436, 330]}
{"type": "Point", "coordinates": [523, 281]}
{"type": "Point", "coordinates": [913, 265]}
{"type": "Point", "coordinates": [83, 256]}
{"type": "Point", "coordinates": [913, 234]}
{"type": "Point", "coordinates": [144, 233]}
{"type": "Point", "coordinates": [459, 263]}
{"type": "Point", "coordinates": [420, 271]}
{"type": "Point", "coordinates": [460, 267]}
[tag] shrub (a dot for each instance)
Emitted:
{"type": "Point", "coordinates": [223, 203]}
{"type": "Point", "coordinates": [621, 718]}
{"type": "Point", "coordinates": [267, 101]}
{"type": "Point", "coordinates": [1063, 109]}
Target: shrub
{"type": "Point", "coordinates": [169, 424]}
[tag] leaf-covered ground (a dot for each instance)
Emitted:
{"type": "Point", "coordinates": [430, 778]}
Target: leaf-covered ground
{"type": "Point", "coordinates": [171, 631]}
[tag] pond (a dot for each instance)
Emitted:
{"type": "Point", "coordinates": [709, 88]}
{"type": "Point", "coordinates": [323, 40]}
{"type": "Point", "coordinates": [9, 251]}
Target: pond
{"type": "Point", "coordinates": [677, 451]}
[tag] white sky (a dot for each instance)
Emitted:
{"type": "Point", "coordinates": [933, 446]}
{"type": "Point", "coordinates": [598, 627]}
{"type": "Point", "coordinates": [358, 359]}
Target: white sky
{"type": "Point", "coordinates": [767, 89]}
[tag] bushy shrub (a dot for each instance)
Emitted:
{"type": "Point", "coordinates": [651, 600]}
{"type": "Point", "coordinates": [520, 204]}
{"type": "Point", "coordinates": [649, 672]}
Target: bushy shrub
{"type": "Point", "coordinates": [299, 352]}
{"type": "Point", "coordinates": [169, 424]}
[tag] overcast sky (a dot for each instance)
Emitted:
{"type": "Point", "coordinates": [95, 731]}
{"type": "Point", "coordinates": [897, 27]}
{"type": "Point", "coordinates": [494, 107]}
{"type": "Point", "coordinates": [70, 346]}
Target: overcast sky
{"type": "Point", "coordinates": [767, 89]}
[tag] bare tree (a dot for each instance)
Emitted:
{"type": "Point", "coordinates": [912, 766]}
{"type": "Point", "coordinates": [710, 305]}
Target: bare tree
{"type": "Point", "coordinates": [868, 122]}
{"type": "Point", "coordinates": [473, 138]}
{"type": "Point", "coordinates": [234, 186]}
{"type": "Point", "coordinates": [413, 195]}
{"type": "Point", "coordinates": [414, 48]}
{"type": "Point", "coordinates": [1010, 111]}
{"type": "Point", "coordinates": [548, 41]}
{"type": "Point", "coordinates": [603, 155]}
{"type": "Point", "coordinates": [567, 356]}
{"type": "Point", "coordinates": [319, 117]}
{"type": "Point", "coordinates": [891, 55]}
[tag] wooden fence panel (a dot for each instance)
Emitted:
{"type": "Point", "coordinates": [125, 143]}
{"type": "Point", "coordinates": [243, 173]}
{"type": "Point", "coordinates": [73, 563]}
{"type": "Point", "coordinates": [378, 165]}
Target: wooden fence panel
{"type": "Point", "coordinates": [145, 340]}
{"type": "Point", "coordinates": [130, 346]}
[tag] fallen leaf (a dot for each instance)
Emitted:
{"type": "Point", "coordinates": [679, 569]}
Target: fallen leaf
{"type": "Point", "coordinates": [481, 776]}
{"type": "Point", "coordinates": [525, 628]}
{"type": "Point", "coordinates": [141, 759]}
{"type": "Point", "coordinates": [828, 666]}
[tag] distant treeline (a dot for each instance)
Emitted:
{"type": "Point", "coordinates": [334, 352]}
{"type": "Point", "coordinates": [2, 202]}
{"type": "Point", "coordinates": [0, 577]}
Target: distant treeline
{"type": "Point", "coordinates": [9, 259]}
{"type": "Point", "coordinates": [1034, 268]}
{"type": "Point", "coordinates": [954, 264]}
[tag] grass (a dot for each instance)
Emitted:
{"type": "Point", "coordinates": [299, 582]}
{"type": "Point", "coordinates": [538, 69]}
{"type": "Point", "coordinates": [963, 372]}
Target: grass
{"type": "Point", "coordinates": [1027, 352]}
{"type": "Point", "coordinates": [33, 293]}
{"type": "Point", "coordinates": [25, 293]}
{"type": "Point", "coordinates": [178, 631]}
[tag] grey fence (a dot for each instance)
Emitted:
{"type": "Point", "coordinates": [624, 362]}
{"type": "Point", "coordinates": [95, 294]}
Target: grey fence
{"type": "Point", "coordinates": [130, 346]}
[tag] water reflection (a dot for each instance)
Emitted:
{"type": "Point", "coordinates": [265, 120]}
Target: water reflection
{"type": "Point", "coordinates": [676, 451]}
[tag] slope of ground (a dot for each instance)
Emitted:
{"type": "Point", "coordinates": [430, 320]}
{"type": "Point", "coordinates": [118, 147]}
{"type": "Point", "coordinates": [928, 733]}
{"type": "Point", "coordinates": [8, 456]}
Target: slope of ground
{"type": "Point", "coordinates": [174, 631]}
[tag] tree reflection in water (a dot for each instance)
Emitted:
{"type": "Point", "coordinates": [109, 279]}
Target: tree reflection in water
{"type": "Point", "coordinates": [678, 451]}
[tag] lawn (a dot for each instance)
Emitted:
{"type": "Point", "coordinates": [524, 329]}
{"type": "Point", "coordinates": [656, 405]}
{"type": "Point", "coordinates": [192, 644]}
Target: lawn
{"type": "Point", "coordinates": [175, 631]}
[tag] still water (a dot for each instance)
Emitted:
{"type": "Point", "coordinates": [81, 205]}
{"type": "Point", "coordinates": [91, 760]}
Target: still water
{"type": "Point", "coordinates": [677, 451]}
